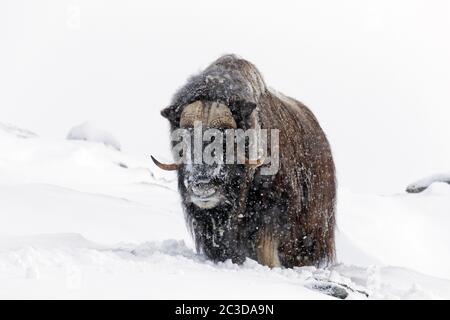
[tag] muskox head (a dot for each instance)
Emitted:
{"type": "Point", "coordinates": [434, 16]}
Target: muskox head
{"type": "Point", "coordinates": [211, 152]}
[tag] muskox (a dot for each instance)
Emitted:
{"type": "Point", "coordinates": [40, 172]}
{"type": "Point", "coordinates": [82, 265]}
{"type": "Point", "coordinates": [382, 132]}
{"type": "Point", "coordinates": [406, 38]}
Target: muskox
{"type": "Point", "coordinates": [233, 210]}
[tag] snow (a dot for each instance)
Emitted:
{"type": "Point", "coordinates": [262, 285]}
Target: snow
{"type": "Point", "coordinates": [82, 220]}
{"type": "Point", "coordinates": [87, 131]}
{"type": "Point", "coordinates": [407, 230]}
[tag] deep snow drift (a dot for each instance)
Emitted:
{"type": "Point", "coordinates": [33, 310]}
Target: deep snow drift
{"type": "Point", "coordinates": [81, 220]}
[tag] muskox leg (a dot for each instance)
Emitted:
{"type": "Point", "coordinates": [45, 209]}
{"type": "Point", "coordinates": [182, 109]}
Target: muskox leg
{"type": "Point", "coordinates": [267, 248]}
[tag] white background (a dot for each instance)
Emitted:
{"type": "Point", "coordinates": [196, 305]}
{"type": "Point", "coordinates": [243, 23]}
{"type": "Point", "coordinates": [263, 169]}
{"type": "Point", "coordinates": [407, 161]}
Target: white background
{"type": "Point", "coordinates": [375, 73]}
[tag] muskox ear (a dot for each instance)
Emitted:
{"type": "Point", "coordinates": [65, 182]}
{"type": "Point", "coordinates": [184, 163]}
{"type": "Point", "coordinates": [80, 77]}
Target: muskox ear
{"type": "Point", "coordinates": [242, 111]}
{"type": "Point", "coordinates": [247, 108]}
{"type": "Point", "coordinates": [170, 113]}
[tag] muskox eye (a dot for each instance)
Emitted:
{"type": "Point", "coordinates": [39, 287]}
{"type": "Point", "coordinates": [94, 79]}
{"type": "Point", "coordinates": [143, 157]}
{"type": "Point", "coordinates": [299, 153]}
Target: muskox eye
{"type": "Point", "coordinates": [180, 153]}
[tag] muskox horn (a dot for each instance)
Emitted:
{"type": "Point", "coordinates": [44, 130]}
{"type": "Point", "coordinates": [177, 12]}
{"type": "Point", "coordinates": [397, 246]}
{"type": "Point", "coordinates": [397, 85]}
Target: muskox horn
{"type": "Point", "coordinates": [167, 167]}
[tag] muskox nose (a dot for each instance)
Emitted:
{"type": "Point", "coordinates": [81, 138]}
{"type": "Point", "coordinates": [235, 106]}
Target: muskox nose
{"type": "Point", "coordinates": [203, 188]}
{"type": "Point", "coordinates": [201, 181]}
{"type": "Point", "coordinates": [200, 176]}
{"type": "Point", "coordinates": [203, 191]}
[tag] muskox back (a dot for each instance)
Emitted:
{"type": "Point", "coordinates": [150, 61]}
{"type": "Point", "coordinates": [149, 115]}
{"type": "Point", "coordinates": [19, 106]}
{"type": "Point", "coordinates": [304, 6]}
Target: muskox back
{"type": "Point", "coordinates": [285, 219]}
{"type": "Point", "coordinates": [306, 181]}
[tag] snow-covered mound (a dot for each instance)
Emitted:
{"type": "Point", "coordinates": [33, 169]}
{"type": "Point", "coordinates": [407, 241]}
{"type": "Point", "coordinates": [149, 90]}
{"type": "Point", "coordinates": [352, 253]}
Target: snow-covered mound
{"type": "Point", "coordinates": [88, 132]}
{"type": "Point", "coordinates": [79, 165]}
{"type": "Point", "coordinates": [407, 230]}
{"type": "Point", "coordinates": [81, 220]}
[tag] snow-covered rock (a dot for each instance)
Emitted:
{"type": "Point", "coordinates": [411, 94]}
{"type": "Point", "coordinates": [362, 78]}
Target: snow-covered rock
{"type": "Point", "coordinates": [88, 132]}
{"type": "Point", "coordinates": [424, 183]}
{"type": "Point", "coordinates": [16, 131]}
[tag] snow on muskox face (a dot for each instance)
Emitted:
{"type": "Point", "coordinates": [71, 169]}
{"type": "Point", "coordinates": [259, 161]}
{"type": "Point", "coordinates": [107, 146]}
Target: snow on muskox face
{"type": "Point", "coordinates": [208, 180]}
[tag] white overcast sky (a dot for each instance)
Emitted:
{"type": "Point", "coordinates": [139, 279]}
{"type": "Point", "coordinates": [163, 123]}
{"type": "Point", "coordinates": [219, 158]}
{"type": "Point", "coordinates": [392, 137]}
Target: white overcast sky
{"type": "Point", "coordinates": [375, 73]}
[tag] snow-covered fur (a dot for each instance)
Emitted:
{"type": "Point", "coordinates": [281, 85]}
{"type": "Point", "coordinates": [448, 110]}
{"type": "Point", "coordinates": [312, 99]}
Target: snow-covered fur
{"type": "Point", "coordinates": [285, 219]}
{"type": "Point", "coordinates": [229, 80]}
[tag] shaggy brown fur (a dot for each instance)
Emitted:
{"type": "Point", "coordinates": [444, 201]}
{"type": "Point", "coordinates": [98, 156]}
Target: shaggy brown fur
{"type": "Point", "coordinates": [287, 219]}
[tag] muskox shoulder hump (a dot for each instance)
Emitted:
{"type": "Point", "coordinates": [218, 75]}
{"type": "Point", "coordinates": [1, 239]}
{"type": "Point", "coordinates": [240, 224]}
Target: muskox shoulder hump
{"type": "Point", "coordinates": [230, 80]}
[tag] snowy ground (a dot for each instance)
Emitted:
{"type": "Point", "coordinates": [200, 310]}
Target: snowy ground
{"type": "Point", "coordinates": [82, 220]}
